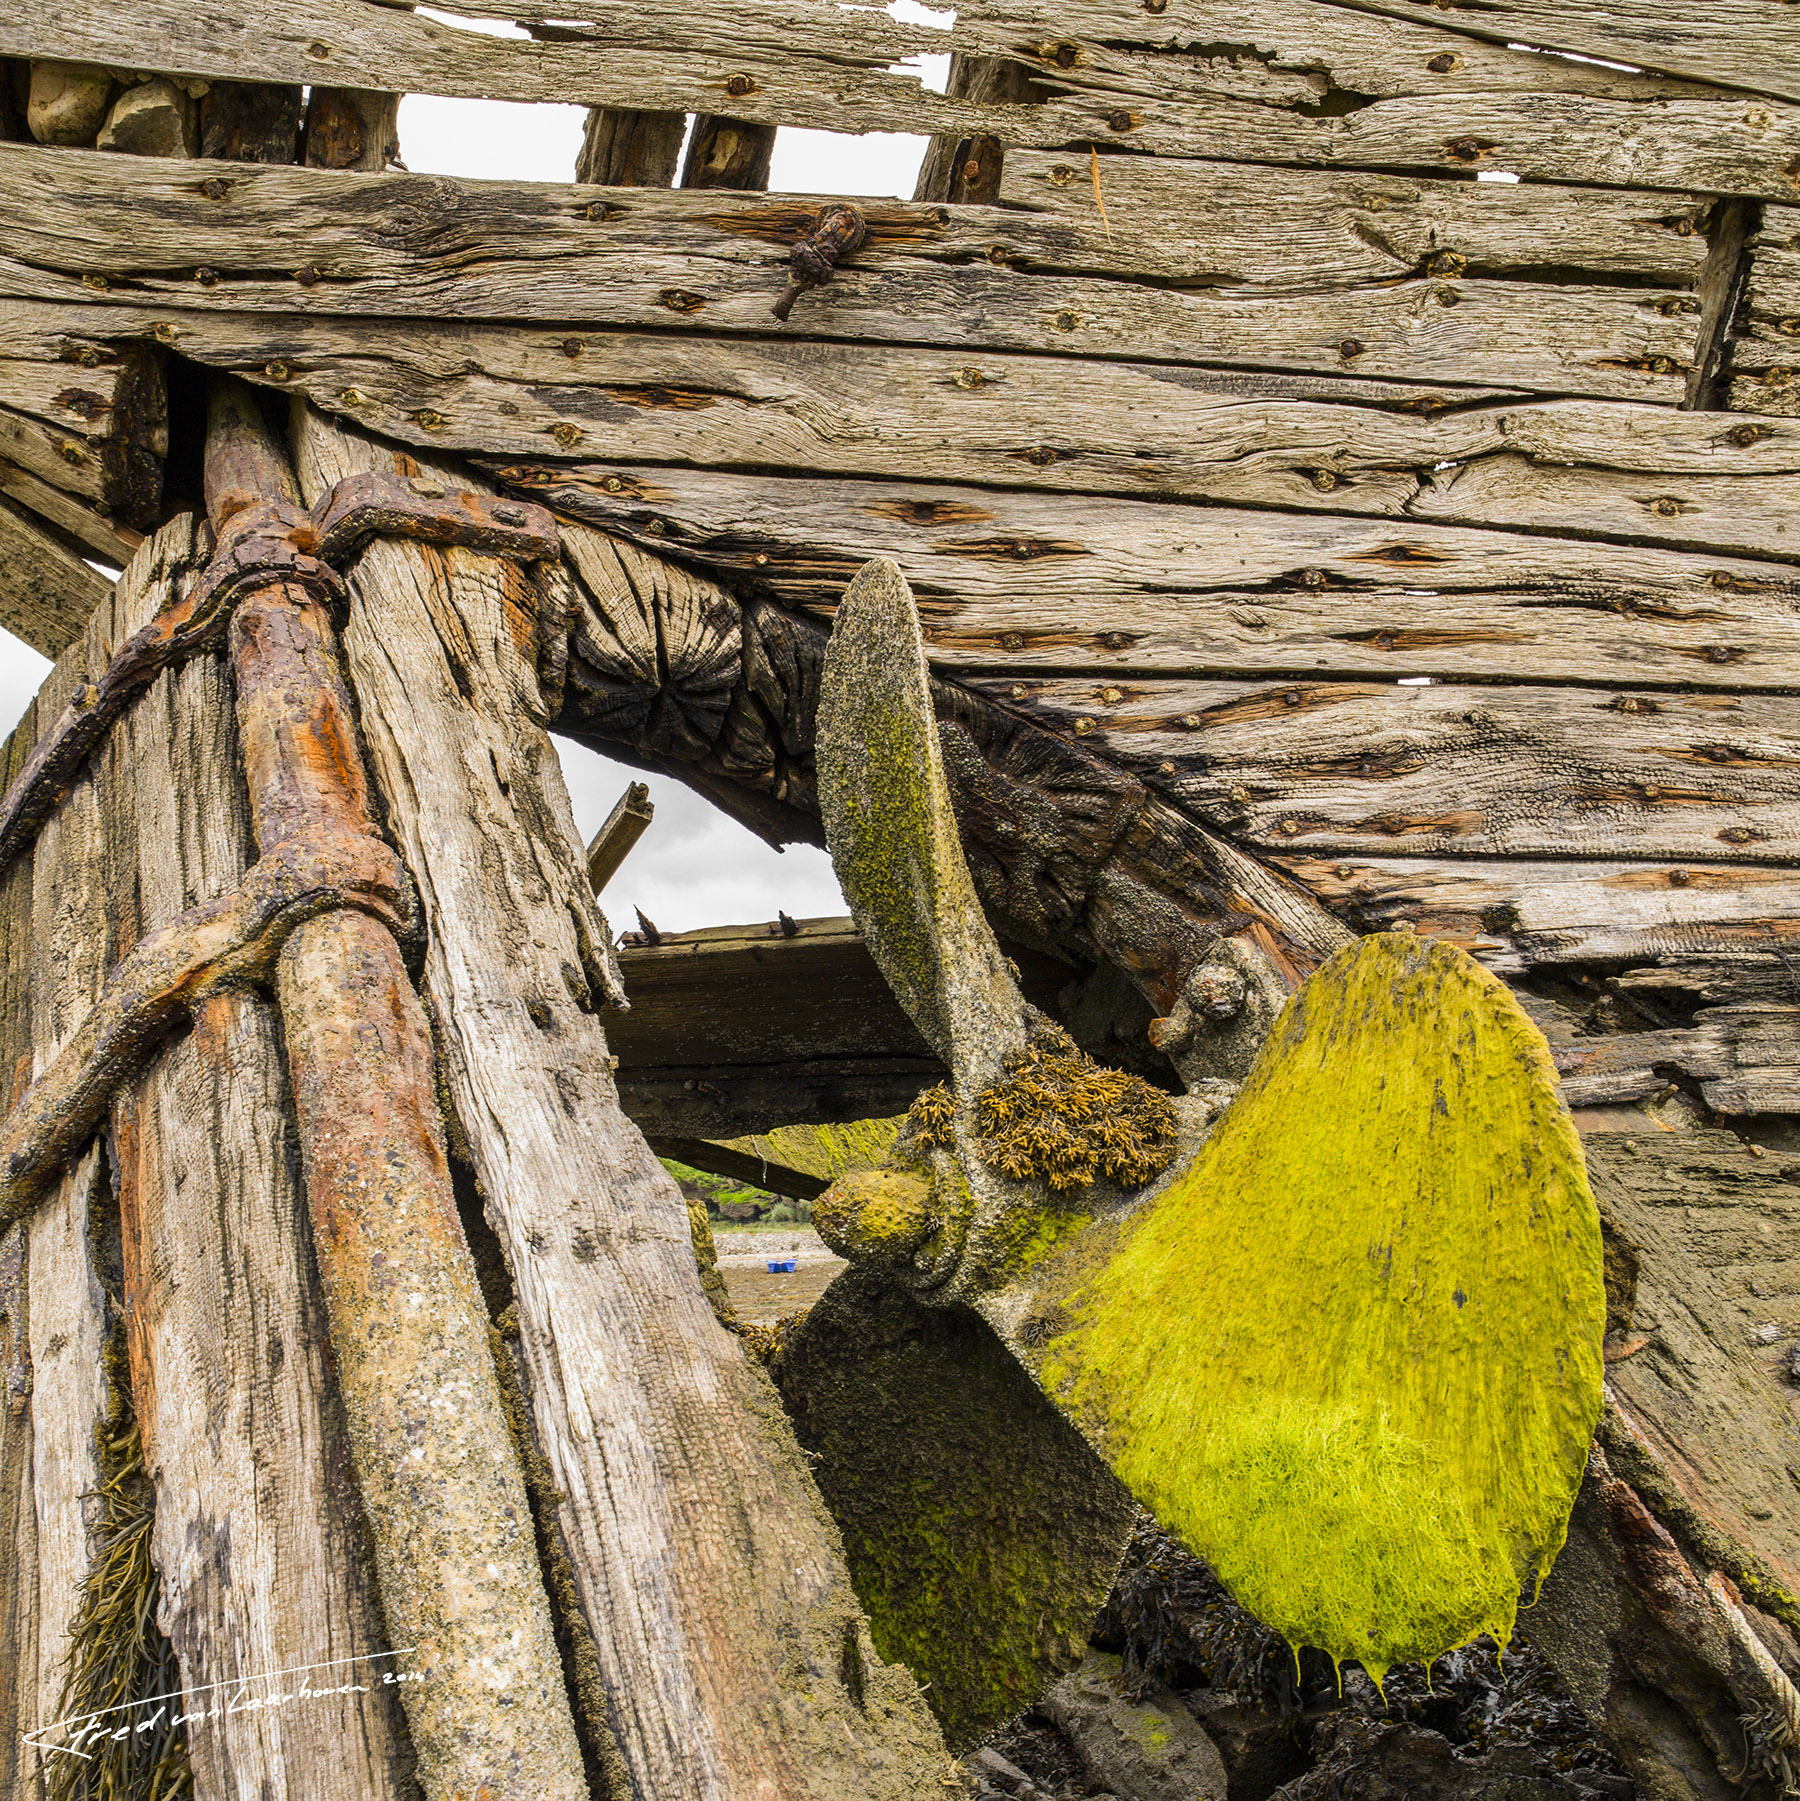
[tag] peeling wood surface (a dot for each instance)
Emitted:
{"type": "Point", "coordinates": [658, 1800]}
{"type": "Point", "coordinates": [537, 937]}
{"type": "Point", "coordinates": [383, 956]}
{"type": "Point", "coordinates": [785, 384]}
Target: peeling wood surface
{"type": "Point", "coordinates": [46, 593]}
{"type": "Point", "coordinates": [315, 242]}
{"type": "Point", "coordinates": [1437, 99]}
{"type": "Point", "coordinates": [704, 1559]}
{"type": "Point", "coordinates": [1014, 583]}
{"type": "Point", "coordinates": [226, 1329]}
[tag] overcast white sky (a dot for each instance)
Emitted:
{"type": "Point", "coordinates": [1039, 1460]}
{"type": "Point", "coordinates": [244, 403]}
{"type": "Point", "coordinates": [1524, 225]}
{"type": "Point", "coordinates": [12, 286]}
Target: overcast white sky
{"type": "Point", "coordinates": [694, 866]}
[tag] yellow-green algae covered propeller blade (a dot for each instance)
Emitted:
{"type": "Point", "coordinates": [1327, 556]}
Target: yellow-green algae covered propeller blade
{"type": "Point", "coordinates": [1352, 1354]}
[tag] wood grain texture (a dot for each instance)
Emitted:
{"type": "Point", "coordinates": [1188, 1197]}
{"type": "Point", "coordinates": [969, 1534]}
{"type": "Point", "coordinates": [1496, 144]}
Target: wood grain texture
{"type": "Point", "coordinates": [1514, 771]}
{"type": "Point", "coordinates": [259, 1532]}
{"type": "Point", "coordinates": [46, 593]}
{"type": "Point", "coordinates": [705, 1562]}
{"type": "Point", "coordinates": [70, 1310]}
{"type": "Point", "coordinates": [1259, 87]}
{"type": "Point", "coordinates": [975, 277]}
{"type": "Point", "coordinates": [1752, 44]}
{"type": "Point", "coordinates": [1766, 352]}
{"type": "Point", "coordinates": [1009, 583]}
{"type": "Point", "coordinates": [1465, 456]}
{"type": "Point", "coordinates": [1721, 931]}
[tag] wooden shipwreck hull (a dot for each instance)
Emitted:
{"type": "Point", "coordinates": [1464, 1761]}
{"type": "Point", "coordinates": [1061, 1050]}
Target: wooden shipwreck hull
{"type": "Point", "coordinates": [1309, 537]}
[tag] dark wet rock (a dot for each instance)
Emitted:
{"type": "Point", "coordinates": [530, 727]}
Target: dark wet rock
{"type": "Point", "coordinates": [1136, 1738]}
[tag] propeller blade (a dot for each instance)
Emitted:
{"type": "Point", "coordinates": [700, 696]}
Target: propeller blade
{"type": "Point", "coordinates": [893, 836]}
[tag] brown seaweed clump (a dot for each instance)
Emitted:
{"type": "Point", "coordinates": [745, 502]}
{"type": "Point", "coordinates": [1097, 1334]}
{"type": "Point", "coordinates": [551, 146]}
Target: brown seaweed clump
{"type": "Point", "coordinates": [1057, 1115]}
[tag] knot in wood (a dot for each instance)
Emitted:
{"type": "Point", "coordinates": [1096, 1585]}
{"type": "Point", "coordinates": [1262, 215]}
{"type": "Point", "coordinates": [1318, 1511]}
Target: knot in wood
{"type": "Point", "coordinates": [839, 231]}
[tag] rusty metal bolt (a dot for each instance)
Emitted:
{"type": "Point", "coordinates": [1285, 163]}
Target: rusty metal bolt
{"type": "Point", "coordinates": [1240, 795]}
{"type": "Point", "coordinates": [1190, 722]}
{"type": "Point", "coordinates": [427, 418]}
{"type": "Point", "coordinates": [761, 559]}
{"type": "Point", "coordinates": [1064, 55]}
{"type": "Point", "coordinates": [1679, 878]}
{"type": "Point", "coordinates": [1292, 697]}
{"type": "Point", "coordinates": [1744, 436]}
{"type": "Point", "coordinates": [1066, 321]}
{"type": "Point", "coordinates": [971, 170]}
{"type": "Point", "coordinates": [277, 371]}
{"type": "Point", "coordinates": [1324, 480]}
{"type": "Point", "coordinates": [1083, 727]}
{"type": "Point", "coordinates": [166, 333]}
{"type": "Point", "coordinates": [654, 528]}
{"type": "Point", "coordinates": [1012, 640]}
{"type": "Point", "coordinates": [1112, 696]}
{"type": "Point", "coordinates": [1464, 150]}
{"type": "Point", "coordinates": [1446, 262]}
{"type": "Point", "coordinates": [1312, 578]}
{"type": "Point", "coordinates": [1040, 456]}
{"type": "Point", "coordinates": [1665, 507]}
{"type": "Point", "coordinates": [969, 378]}
{"type": "Point", "coordinates": [96, 282]}
{"type": "Point", "coordinates": [571, 347]}
{"type": "Point", "coordinates": [307, 276]}
{"type": "Point", "coordinates": [1722, 653]}
{"type": "Point", "coordinates": [565, 434]}
{"type": "Point", "coordinates": [215, 187]}
{"type": "Point", "coordinates": [1445, 63]}
{"type": "Point", "coordinates": [839, 231]}
{"type": "Point", "coordinates": [1120, 121]}
{"type": "Point", "coordinates": [1156, 6]}
{"type": "Point", "coordinates": [319, 52]}
{"type": "Point", "coordinates": [1350, 348]}
{"type": "Point", "coordinates": [206, 278]}
{"type": "Point", "coordinates": [1061, 175]}
{"type": "Point", "coordinates": [740, 85]}
{"type": "Point", "coordinates": [1289, 827]}
{"type": "Point", "coordinates": [1017, 691]}
{"type": "Point", "coordinates": [71, 452]}
{"type": "Point", "coordinates": [613, 485]}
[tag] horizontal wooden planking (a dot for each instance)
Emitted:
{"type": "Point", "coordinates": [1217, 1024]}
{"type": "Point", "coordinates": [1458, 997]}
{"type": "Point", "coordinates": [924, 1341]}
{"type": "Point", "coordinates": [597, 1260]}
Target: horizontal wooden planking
{"type": "Point", "coordinates": [1766, 353]}
{"type": "Point", "coordinates": [1296, 84]}
{"type": "Point", "coordinates": [1751, 44]}
{"type": "Point", "coordinates": [1645, 474]}
{"type": "Point", "coordinates": [1234, 224]}
{"type": "Point", "coordinates": [234, 237]}
{"type": "Point", "coordinates": [46, 593]}
{"type": "Point", "coordinates": [1516, 915]}
{"type": "Point", "coordinates": [1513, 772]}
{"type": "Point", "coordinates": [1013, 582]}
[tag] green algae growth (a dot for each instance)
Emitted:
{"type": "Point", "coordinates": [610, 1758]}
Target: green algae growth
{"type": "Point", "coordinates": [1352, 1355]}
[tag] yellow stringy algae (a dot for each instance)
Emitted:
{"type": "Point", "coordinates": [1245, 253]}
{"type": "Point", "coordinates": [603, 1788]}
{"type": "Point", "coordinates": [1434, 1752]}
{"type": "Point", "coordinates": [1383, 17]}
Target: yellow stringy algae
{"type": "Point", "coordinates": [1353, 1354]}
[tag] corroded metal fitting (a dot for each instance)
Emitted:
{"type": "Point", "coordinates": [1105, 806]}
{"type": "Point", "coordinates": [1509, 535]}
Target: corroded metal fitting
{"type": "Point", "coordinates": [839, 231]}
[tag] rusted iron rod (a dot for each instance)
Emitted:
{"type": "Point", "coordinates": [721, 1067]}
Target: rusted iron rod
{"type": "Point", "coordinates": [438, 1471]}
{"type": "Point", "coordinates": [225, 943]}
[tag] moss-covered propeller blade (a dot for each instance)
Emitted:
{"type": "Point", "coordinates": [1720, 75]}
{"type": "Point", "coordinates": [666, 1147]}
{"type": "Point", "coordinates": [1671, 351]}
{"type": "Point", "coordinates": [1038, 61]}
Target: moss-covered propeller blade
{"type": "Point", "coordinates": [892, 832]}
{"type": "Point", "coordinates": [1352, 1353]}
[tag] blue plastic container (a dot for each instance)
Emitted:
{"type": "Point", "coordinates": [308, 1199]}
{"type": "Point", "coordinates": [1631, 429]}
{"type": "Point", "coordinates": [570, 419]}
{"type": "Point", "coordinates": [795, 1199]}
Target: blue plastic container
{"type": "Point", "coordinates": [781, 1266]}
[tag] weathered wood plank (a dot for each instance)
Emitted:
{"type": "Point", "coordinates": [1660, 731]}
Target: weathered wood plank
{"type": "Point", "coordinates": [46, 594]}
{"type": "Point", "coordinates": [623, 148]}
{"type": "Point", "coordinates": [1234, 224]}
{"type": "Point", "coordinates": [1646, 475]}
{"type": "Point", "coordinates": [1516, 915]}
{"type": "Point", "coordinates": [1767, 350]}
{"type": "Point", "coordinates": [1517, 772]}
{"type": "Point", "coordinates": [621, 829]}
{"type": "Point", "coordinates": [705, 1564]}
{"type": "Point", "coordinates": [1751, 44]}
{"type": "Point", "coordinates": [107, 539]}
{"type": "Point", "coordinates": [1013, 582]}
{"type": "Point", "coordinates": [70, 1311]}
{"type": "Point", "coordinates": [970, 277]}
{"type": "Point", "coordinates": [89, 417]}
{"type": "Point", "coordinates": [1266, 98]}
{"type": "Point", "coordinates": [259, 1531]}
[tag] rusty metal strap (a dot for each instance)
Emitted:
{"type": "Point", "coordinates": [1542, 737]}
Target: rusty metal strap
{"type": "Point", "coordinates": [273, 541]}
{"type": "Point", "coordinates": [226, 943]}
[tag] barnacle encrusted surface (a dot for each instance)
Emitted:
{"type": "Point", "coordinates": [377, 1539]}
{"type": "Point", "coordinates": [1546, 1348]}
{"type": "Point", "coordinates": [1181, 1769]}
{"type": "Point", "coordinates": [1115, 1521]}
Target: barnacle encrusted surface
{"type": "Point", "coordinates": [1352, 1355]}
{"type": "Point", "coordinates": [1057, 1115]}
